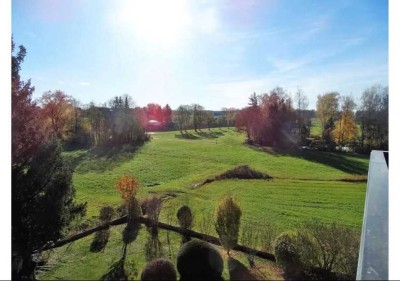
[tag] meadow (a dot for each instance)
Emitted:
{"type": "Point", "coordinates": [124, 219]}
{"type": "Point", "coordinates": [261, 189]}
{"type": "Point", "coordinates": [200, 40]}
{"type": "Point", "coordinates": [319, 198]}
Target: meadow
{"type": "Point", "coordinates": [304, 185]}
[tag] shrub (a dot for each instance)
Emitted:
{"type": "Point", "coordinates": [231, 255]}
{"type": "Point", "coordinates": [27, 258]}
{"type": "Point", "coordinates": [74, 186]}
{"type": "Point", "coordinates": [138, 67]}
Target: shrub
{"type": "Point", "coordinates": [133, 209]}
{"type": "Point", "coordinates": [132, 228]}
{"type": "Point", "coordinates": [159, 269]}
{"type": "Point", "coordinates": [152, 208]}
{"type": "Point", "coordinates": [185, 217]}
{"type": "Point", "coordinates": [287, 253]}
{"type": "Point", "coordinates": [329, 247]}
{"type": "Point", "coordinates": [198, 260]}
{"type": "Point", "coordinates": [127, 186]}
{"type": "Point", "coordinates": [227, 222]}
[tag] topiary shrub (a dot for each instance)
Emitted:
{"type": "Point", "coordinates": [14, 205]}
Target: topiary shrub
{"type": "Point", "coordinates": [159, 269]}
{"type": "Point", "coordinates": [287, 253]}
{"type": "Point", "coordinates": [227, 222]}
{"type": "Point", "coordinates": [185, 217]}
{"type": "Point", "coordinates": [198, 260]}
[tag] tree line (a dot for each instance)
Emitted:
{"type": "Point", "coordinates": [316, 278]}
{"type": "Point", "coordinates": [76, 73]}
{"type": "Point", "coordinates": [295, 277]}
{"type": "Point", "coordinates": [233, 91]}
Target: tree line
{"type": "Point", "coordinates": [275, 119]}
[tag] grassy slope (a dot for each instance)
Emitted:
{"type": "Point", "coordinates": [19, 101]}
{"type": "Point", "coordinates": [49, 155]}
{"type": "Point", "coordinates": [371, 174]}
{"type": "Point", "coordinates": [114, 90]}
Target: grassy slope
{"type": "Point", "coordinates": [305, 185]}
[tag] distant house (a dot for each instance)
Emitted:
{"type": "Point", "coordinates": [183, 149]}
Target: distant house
{"type": "Point", "coordinates": [154, 123]}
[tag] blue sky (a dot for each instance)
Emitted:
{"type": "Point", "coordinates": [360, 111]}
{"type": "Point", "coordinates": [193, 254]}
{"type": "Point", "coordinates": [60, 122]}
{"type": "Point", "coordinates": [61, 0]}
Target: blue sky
{"type": "Point", "coordinates": [215, 53]}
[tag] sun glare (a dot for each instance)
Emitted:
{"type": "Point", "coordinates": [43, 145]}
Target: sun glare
{"type": "Point", "coordinates": [157, 22]}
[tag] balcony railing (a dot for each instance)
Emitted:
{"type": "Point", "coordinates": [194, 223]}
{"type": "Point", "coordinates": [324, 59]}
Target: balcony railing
{"type": "Point", "coordinates": [373, 256]}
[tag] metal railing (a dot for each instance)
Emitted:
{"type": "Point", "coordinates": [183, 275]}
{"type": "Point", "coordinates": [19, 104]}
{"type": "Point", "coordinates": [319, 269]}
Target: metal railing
{"type": "Point", "coordinates": [373, 255]}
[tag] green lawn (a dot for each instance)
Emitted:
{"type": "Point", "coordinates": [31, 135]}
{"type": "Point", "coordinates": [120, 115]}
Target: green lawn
{"type": "Point", "coordinates": [316, 128]}
{"type": "Point", "coordinates": [305, 185]}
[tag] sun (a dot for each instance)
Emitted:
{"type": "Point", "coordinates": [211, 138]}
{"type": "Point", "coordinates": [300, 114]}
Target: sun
{"type": "Point", "coordinates": [156, 21]}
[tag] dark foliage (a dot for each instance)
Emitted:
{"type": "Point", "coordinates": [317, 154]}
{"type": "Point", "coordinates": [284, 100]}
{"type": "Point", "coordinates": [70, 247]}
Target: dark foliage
{"type": "Point", "coordinates": [159, 269]}
{"type": "Point", "coordinates": [42, 205]}
{"type": "Point", "coordinates": [287, 254]}
{"type": "Point", "coordinates": [185, 219]}
{"type": "Point", "coordinates": [198, 260]}
{"type": "Point", "coordinates": [106, 214]}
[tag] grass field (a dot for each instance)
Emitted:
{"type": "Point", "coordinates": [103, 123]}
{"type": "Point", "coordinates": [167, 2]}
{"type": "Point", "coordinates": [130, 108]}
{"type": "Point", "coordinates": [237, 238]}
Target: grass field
{"type": "Point", "coordinates": [306, 184]}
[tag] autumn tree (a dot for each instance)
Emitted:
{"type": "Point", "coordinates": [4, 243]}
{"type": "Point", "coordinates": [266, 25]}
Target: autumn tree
{"type": "Point", "coordinates": [154, 112]}
{"type": "Point", "coordinates": [278, 118]}
{"type": "Point", "coordinates": [27, 132]}
{"type": "Point", "coordinates": [57, 112]}
{"type": "Point", "coordinates": [43, 203]}
{"type": "Point", "coordinates": [345, 128]}
{"type": "Point", "coordinates": [249, 120]}
{"type": "Point", "coordinates": [327, 110]}
{"type": "Point", "coordinates": [167, 114]}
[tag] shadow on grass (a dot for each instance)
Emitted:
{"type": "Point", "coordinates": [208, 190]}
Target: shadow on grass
{"type": "Point", "coordinates": [103, 158]}
{"type": "Point", "coordinates": [187, 136]}
{"type": "Point", "coordinates": [100, 241]}
{"type": "Point", "coordinates": [238, 271]}
{"type": "Point", "coordinates": [116, 271]}
{"type": "Point", "coordinates": [206, 134]}
{"type": "Point", "coordinates": [337, 160]}
{"type": "Point", "coordinates": [210, 134]}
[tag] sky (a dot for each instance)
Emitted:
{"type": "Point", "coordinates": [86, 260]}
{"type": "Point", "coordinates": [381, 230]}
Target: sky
{"type": "Point", "coordinates": [214, 53]}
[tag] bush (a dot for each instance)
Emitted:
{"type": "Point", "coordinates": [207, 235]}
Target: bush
{"type": "Point", "coordinates": [152, 208]}
{"type": "Point", "coordinates": [132, 228]}
{"type": "Point", "coordinates": [287, 253]}
{"type": "Point", "coordinates": [227, 222]}
{"type": "Point", "coordinates": [159, 269]}
{"type": "Point", "coordinates": [185, 217]}
{"type": "Point", "coordinates": [133, 209]}
{"type": "Point", "coordinates": [329, 247]}
{"type": "Point", "coordinates": [198, 260]}
{"type": "Point", "coordinates": [43, 206]}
